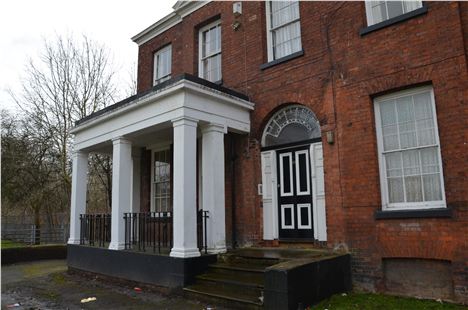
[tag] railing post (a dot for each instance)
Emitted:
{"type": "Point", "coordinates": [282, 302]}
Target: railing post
{"type": "Point", "coordinates": [81, 230]}
{"type": "Point", "coordinates": [126, 231]}
{"type": "Point", "coordinates": [205, 217]}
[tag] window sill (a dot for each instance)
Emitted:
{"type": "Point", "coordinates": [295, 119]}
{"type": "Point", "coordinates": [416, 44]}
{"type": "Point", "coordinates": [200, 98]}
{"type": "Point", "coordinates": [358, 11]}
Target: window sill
{"type": "Point", "coordinates": [281, 60]}
{"type": "Point", "coordinates": [408, 214]}
{"type": "Point", "coordinates": [386, 23]}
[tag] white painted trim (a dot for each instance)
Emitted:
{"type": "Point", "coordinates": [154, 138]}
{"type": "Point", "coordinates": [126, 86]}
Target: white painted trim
{"type": "Point", "coordinates": [269, 195]}
{"type": "Point", "coordinates": [200, 47]}
{"type": "Point", "coordinates": [165, 23]}
{"type": "Point", "coordinates": [319, 211]}
{"type": "Point", "coordinates": [299, 216]}
{"type": "Point", "coordinates": [298, 179]}
{"type": "Point", "coordinates": [170, 90]}
{"type": "Point", "coordinates": [168, 21]}
{"type": "Point", "coordinates": [283, 193]}
{"type": "Point", "coordinates": [386, 205]}
{"type": "Point", "coordinates": [269, 35]}
{"type": "Point", "coordinates": [283, 208]}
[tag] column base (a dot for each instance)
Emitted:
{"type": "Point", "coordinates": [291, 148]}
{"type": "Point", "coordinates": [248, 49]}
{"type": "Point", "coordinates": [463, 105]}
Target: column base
{"type": "Point", "coordinates": [217, 250]}
{"type": "Point", "coordinates": [185, 253]}
{"type": "Point", "coordinates": [73, 241]}
{"type": "Point", "coordinates": [116, 246]}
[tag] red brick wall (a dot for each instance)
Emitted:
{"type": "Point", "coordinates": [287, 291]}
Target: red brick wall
{"type": "Point", "coordinates": [336, 78]}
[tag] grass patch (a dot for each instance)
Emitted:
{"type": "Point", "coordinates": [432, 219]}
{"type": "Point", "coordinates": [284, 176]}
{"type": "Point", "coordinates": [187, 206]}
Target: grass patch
{"type": "Point", "coordinates": [58, 278]}
{"type": "Point", "coordinates": [367, 301]}
{"type": "Point", "coordinates": [8, 244]}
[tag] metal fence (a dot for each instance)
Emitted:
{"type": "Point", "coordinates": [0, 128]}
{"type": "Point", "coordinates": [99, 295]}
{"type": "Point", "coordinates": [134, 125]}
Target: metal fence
{"type": "Point", "coordinates": [154, 231]}
{"type": "Point", "coordinates": [95, 229]}
{"type": "Point", "coordinates": [30, 234]}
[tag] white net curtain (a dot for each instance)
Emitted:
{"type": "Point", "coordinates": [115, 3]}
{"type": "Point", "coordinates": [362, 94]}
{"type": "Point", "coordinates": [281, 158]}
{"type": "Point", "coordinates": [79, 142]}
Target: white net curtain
{"type": "Point", "coordinates": [383, 10]}
{"type": "Point", "coordinates": [410, 149]}
{"type": "Point", "coordinates": [285, 27]}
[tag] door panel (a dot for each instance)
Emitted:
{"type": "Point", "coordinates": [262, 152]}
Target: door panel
{"type": "Point", "coordinates": [295, 194]}
{"type": "Point", "coordinates": [286, 174]}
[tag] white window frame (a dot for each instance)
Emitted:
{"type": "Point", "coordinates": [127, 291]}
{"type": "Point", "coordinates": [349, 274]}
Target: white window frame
{"type": "Point", "coordinates": [157, 80]}
{"type": "Point", "coordinates": [270, 30]}
{"type": "Point", "coordinates": [201, 73]}
{"type": "Point", "coordinates": [370, 17]}
{"type": "Point", "coordinates": [386, 205]}
{"type": "Point", "coordinates": [155, 149]}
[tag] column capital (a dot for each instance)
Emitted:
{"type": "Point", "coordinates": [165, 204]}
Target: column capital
{"type": "Point", "coordinates": [121, 140]}
{"type": "Point", "coordinates": [213, 127]}
{"type": "Point", "coordinates": [79, 153]}
{"type": "Point", "coordinates": [184, 121]}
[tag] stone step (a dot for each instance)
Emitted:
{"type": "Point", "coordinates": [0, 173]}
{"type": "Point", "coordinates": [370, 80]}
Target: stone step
{"type": "Point", "coordinates": [240, 278]}
{"type": "Point", "coordinates": [238, 267]}
{"type": "Point", "coordinates": [226, 294]}
{"type": "Point", "coordinates": [246, 261]}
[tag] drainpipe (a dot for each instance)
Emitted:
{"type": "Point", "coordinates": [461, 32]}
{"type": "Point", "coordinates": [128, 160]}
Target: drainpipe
{"type": "Point", "coordinates": [233, 191]}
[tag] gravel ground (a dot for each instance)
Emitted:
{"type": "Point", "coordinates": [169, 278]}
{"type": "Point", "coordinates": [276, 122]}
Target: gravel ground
{"type": "Point", "coordinates": [47, 285]}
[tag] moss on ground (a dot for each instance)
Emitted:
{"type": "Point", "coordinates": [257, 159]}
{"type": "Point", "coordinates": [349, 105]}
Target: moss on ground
{"type": "Point", "coordinates": [8, 244]}
{"type": "Point", "coordinates": [368, 301]}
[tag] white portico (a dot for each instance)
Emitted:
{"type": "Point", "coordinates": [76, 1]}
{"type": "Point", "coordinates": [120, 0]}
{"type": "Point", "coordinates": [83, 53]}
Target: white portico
{"type": "Point", "coordinates": [178, 112]}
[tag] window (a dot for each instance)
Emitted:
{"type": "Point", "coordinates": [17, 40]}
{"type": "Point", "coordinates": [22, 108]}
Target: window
{"type": "Point", "coordinates": [291, 124]}
{"type": "Point", "coordinates": [379, 11]}
{"type": "Point", "coordinates": [409, 150]}
{"type": "Point", "coordinates": [283, 28]}
{"type": "Point", "coordinates": [161, 182]}
{"type": "Point", "coordinates": [209, 40]}
{"type": "Point", "coordinates": [162, 65]}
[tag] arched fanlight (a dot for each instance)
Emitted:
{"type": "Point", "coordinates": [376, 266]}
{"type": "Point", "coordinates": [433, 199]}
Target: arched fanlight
{"type": "Point", "coordinates": [291, 124]}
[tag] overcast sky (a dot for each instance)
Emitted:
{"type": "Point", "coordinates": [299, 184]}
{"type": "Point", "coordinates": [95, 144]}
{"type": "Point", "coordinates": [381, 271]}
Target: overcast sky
{"type": "Point", "coordinates": [24, 24]}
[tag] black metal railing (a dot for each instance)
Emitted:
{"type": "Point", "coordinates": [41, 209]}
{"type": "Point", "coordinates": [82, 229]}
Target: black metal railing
{"type": "Point", "coordinates": [202, 216]}
{"type": "Point", "coordinates": [95, 229]}
{"type": "Point", "coordinates": [153, 231]}
{"type": "Point", "coordinates": [148, 231]}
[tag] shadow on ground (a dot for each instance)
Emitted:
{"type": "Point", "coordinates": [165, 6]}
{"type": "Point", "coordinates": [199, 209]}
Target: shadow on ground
{"type": "Point", "coordinates": [47, 285]}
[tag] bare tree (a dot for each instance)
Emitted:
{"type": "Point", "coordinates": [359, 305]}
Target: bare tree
{"type": "Point", "coordinates": [72, 79]}
{"type": "Point", "coordinates": [29, 177]}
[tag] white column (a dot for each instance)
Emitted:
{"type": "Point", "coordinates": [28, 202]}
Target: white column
{"type": "Point", "coordinates": [135, 184]}
{"type": "Point", "coordinates": [78, 194]}
{"type": "Point", "coordinates": [121, 190]}
{"type": "Point", "coordinates": [213, 186]}
{"type": "Point", "coordinates": [185, 183]}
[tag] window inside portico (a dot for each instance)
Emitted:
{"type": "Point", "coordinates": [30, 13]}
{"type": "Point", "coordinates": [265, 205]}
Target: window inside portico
{"type": "Point", "coordinates": [161, 181]}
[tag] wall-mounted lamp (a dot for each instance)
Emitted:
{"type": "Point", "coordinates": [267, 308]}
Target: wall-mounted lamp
{"type": "Point", "coordinates": [235, 25]}
{"type": "Point", "coordinates": [330, 137]}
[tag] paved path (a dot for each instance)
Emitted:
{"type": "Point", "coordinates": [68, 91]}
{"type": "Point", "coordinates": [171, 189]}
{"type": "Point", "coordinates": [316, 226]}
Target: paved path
{"type": "Point", "coordinates": [47, 285]}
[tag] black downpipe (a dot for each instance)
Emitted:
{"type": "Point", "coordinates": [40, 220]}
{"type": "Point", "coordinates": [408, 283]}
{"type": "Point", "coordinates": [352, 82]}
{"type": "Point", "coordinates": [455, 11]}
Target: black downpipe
{"type": "Point", "coordinates": [233, 191]}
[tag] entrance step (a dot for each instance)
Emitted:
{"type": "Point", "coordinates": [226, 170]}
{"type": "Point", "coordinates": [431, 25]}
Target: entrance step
{"type": "Point", "coordinates": [236, 280]}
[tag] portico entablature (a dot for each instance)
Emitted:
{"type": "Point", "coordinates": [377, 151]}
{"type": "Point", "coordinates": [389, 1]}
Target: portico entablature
{"type": "Point", "coordinates": [183, 97]}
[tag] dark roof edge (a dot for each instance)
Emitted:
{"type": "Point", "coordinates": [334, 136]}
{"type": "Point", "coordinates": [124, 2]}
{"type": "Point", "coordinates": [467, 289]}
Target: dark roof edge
{"type": "Point", "coordinates": [185, 76]}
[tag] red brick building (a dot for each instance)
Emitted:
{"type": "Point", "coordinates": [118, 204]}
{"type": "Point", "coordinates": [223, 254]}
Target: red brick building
{"type": "Point", "coordinates": [386, 90]}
